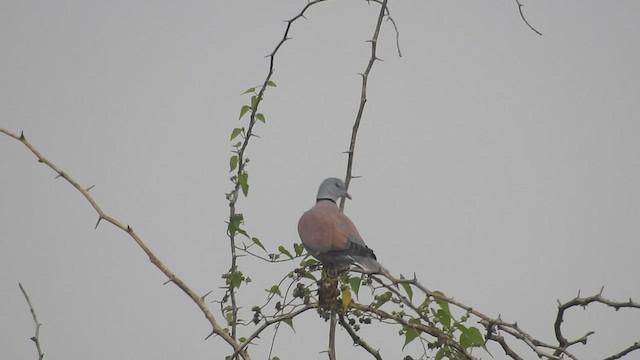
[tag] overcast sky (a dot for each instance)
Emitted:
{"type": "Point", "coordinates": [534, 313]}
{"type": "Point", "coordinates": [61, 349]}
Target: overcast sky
{"type": "Point", "coordinates": [499, 166]}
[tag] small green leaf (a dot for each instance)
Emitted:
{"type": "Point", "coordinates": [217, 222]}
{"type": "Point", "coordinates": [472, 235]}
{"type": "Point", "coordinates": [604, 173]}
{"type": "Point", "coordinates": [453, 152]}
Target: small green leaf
{"type": "Point", "coordinates": [243, 339]}
{"type": "Point", "coordinates": [298, 248]}
{"type": "Point", "coordinates": [257, 242]}
{"type": "Point", "coordinates": [309, 276]}
{"type": "Point", "coordinates": [355, 282]}
{"type": "Point", "coordinates": [244, 110]}
{"type": "Point", "coordinates": [271, 83]}
{"type": "Point", "coordinates": [235, 133]}
{"type": "Point", "coordinates": [275, 358]}
{"type": "Point", "coordinates": [309, 262]}
{"type": "Point", "coordinates": [470, 337]}
{"type": "Point", "coordinates": [409, 335]}
{"type": "Point", "coordinates": [233, 163]}
{"type": "Point", "coordinates": [284, 251]}
{"type": "Point", "coordinates": [254, 101]}
{"type": "Point", "coordinates": [444, 351]}
{"type": "Point", "coordinates": [407, 288]}
{"type": "Point", "coordinates": [249, 90]}
{"type": "Point", "coordinates": [382, 299]}
{"type": "Point", "coordinates": [275, 289]}
{"type": "Point", "coordinates": [260, 117]}
{"type": "Point", "coordinates": [243, 180]}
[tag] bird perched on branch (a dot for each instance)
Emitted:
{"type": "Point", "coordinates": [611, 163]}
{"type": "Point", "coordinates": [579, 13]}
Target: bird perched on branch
{"type": "Point", "coordinates": [330, 236]}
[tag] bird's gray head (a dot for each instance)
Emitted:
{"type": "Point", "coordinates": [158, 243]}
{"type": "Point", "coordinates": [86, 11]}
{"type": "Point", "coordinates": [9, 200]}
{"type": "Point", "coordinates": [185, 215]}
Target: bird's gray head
{"type": "Point", "coordinates": [332, 189]}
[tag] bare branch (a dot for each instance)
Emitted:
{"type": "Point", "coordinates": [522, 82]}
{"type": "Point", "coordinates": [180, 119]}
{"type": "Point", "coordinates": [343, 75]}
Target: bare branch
{"type": "Point", "coordinates": [357, 340]}
{"type": "Point", "coordinates": [520, 5]}
{"type": "Point", "coordinates": [36, 337]}
{"type": "Point", "coordinates": [216, 328]}
{"type": "Point", "coordinates": [363, 97]}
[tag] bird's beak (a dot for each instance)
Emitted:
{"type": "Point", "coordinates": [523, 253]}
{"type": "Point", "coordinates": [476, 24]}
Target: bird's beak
{"type": "Point", "coordinates": [347, 196]}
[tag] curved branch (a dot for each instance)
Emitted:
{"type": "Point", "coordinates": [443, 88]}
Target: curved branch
{"type": "Point", "coordinates": [36, 337]}
{"type": "Point", "coordinates": [363, 97]}
{"type": "Point", "coordinates": [102, 215]}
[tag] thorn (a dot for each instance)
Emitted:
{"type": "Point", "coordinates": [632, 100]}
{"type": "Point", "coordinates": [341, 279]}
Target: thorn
{"type": "Point", "coordinates": [208, 336]}
{"type": "Point", "coordinates": [129, 229]}
{"type": "Point", "coordinates": [377, 58]}
{"type": "Point", "coordinates": [578, 293]}
{"type": "Point", "coordinates": [347, 152]}
{"type": "Point", "coordinates": [205, 295]}
{"type": "Point", "coordinates": [22, 138]}
{"type": "Point", "coordinates": [304, 17]}
{"type": "Point", "coordinates": [90, 187]}
{"type": "Point", "coordinates": [601, 290]}
{"type": "Point", "coordinates": [98, 222]}
{"type": "Point", "coordinates": [356, 177]}
{"type": "Point", "coordinates": [166, 282]}
{"type": "Point", "coordinates": [59, 175]}
{"type": "Point", "coordinates": [559, 303]}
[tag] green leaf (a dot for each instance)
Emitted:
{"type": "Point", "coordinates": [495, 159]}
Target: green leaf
{"type": "Point", "coordinates": [235, 133]}
{"type": "Point", "coordinates": [275, 358]}
{"type": "Point", "coordinates": [257, 242]}
{"type": "Point", "coordinates": [284, 251]}
{"type": "Point", "coordinates": [444, 351]}
{"type": "Point", "coordinates": [288, 321]}
{"type": "Point", "coordinates": [409, 335]}
{"type": "Point", "coordinates": [309, 276]}
{"type": "Point", "coordinates": [234, 224]}
{"type": "Point", "coordinates": [271, 83]}
{"type": "Point", "coordinates": [407, 288]}
{"type": "Point", "coordinates": [309, 262]}
{"type": "Point", "coordinates": [254, 101]}
{"type": "Point", "coordinates": [234, 278]}
{"type": "Point", "coordinates": [355, 282]}
{"type": "Point", "coordinates": [443, 316]}
{"type": "Point", "coordinates": [244, 110]}
{"type": "Point", "coordinates": [275, 289]}
{"type": "Point", "coordinates": [233, 163]}
{"type": "Point", "coordinates": [249, 90]}
{"type": "Point", "coordinates": [243, 180]}
{"type": "Point", "coordinates": [260, 117]}
{"type": "Point", "coordinates": [298, 248]}
{"type": "Point", "coordinates": [470, 337]}
{"type": "Point", "coordinates": [382, 299]}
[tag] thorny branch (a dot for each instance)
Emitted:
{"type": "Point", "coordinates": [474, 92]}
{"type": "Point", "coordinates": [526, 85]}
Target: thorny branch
{"type": "Point", "coordinates": [36, 337]}
{"type": "Point", "coordinates": [494, 326]}
{"type": "Point", "coordinates": [363, 97]}
{"type": "Point", "coordinates": [520, 6]}
{"type": "Point", "coordinates": [102, 215]}
{"type": "Point", "coordinates": [242, 162]}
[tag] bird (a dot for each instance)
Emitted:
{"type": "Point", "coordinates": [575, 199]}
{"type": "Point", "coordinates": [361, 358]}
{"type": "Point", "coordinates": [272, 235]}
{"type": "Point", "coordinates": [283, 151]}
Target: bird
{"type": "Point", "coordinates": [330, 236]}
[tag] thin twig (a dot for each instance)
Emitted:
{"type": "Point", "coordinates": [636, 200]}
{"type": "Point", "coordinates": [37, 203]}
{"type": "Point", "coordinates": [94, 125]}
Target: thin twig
{"type": "Point", "coordinates": [363, 98]}
{"type": "Point", "coordinates": [36, 337]}
{"type": "Point", "coordinates": [520, 6]}
{"type": "Point", "coordinates": [357, 340]}
{"type": "Point", "coordinates": [102, 215]}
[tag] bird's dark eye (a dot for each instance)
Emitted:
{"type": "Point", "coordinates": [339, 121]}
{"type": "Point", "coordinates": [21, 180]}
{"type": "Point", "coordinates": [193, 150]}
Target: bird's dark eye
{"type": "Point", "coordinates": [337, 185]}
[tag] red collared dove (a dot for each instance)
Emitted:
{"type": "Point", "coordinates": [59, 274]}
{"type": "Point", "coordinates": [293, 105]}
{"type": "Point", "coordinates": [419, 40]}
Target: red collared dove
{"type": "Point", "coordinates": [330, 236]}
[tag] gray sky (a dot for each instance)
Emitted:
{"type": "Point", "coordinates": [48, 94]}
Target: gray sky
{"type": "Point", "coordinates": [499, 166]}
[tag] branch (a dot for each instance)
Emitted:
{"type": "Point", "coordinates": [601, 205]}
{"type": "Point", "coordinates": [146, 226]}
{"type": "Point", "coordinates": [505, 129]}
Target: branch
{"type": "Point", "coordinates": [520, 5]}
{"type": "Point", "coordinates": [36, 337]}
{"type": "Point", "coordinates": [357, 340]}
{"type": "Point", "coordinates": [216, 329]}
{"type": "Point", "coordinates": [233, 195]}
{"type": "Point", "coordinates": [363, 97]}
{"type": "Point", "coordinates": [584, 302]}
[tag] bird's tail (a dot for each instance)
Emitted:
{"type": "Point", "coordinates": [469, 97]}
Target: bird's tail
{"type": "Point", "coordinates": [370, 265]}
